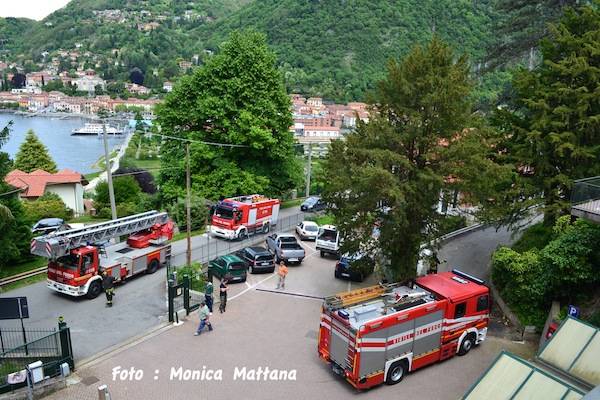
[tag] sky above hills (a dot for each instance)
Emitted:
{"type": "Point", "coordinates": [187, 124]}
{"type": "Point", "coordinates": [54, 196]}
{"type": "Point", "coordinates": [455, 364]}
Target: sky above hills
{"type": "Point", "coordinates": [34, 9]}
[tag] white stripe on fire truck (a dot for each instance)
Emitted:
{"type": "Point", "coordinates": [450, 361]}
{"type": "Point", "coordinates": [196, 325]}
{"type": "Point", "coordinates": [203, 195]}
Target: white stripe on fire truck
{"type": "Point", "coordinates": [340, 335]}
{"type": "Point", "coordinates": [402, 338]}
{"type": "Point", "coordinates": [325, 316]}
{"type": "Point", "coordinates": [325, 325]}
{"type": "Point", "coordinates": [452, 324]}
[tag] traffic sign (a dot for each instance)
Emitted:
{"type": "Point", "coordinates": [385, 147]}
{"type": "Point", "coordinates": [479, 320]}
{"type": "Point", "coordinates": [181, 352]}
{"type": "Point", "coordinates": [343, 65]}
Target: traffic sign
{"type": "Point", "coordinates": [573, 311]}
{"type": "Point", "coordinates": [13, 308]}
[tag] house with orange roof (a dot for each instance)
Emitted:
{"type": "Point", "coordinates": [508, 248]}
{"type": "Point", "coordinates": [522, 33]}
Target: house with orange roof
{"type": "Point", "coordinates": [67, 184]}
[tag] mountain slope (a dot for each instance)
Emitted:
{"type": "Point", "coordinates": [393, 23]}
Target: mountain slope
{"type": "Point", "coordinates": [338, 48]}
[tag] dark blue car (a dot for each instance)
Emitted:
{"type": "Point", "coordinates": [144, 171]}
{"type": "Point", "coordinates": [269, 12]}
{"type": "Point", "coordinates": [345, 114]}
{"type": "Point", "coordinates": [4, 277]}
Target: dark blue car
{"type": "Point", "coordinates": [355, 267]}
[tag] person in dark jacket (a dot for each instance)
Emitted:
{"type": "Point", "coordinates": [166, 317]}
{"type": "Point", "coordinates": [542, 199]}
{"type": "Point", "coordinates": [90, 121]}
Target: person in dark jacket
{"type": "Point", "coordinates": [108, 284]}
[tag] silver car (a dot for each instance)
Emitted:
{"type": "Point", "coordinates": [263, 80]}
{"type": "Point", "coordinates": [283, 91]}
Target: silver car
{"type": "Point", "coordinates": [307, 230]}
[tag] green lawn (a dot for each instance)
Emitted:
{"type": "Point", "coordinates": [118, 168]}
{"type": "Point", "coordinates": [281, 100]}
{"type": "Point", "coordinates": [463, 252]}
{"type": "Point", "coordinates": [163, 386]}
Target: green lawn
{"type": "Point", "coordinates": [86, 219]}
{"type": "Point", "coordinates": [325, 219]}
{"type": "Point", "coordinates": [23, 282]}
{"type": "Point", "coordinates": [183, 235]}
{"type": "Point", "coordinates": [14, 269]}
{"type": "Point", "coordinates": [292, 203]}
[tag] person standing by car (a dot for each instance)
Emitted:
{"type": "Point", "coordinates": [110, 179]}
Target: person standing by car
{"type": "Point", "coordinates": [203, 313]}
{"type": "Point", "coordinates": [282, 272]}
{"type": "Point", "coordinates": [108, 284]}
{"type": "Point", "coordinates": [223, 295]}
{"type": "Point", "coordinates": [208, 295]}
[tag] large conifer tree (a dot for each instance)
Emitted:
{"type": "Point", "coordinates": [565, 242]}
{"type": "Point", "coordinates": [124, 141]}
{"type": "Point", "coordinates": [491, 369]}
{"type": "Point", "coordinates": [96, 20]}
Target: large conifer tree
{"type": "Point", "coordinates": [34, 155]}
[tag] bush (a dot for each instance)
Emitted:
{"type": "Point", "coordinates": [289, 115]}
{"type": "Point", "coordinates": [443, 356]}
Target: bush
{"type": "Point", "coordinates": [194, 271]}
{"type": "Point", "coordinates": [143, 178]}
{"type": "Point", "coordinates": [451, 223]}
{"type": "Point", "coordinates": [535, 237]}
{"type": "Point", "coordinates": [126, 190]}
{"type": "Point", "coordinates": [49, 205]}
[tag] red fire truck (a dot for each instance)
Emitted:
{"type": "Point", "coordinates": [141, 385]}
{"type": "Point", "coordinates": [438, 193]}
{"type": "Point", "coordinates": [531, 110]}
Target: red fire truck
{"type": "Point", "coordinates": [78, 257]}
{"type": "Point", "coordinates": [237, 217]}
{"type": "Point", "coordinates": [380, 333]}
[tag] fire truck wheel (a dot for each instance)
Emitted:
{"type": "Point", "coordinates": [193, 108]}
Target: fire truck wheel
{"type": "Point", "coordinates": [466, 344]}
{"type": "Point", "coordinates": [396, 372]}
{"type": "Point", "coordinates": [94, 290]}
{"type": "Point", "coordinates": [243, 235]}
{"type": "Point", "coordinates": [152, 267]}
{"type": "Point", "coordinates": [266, 228]}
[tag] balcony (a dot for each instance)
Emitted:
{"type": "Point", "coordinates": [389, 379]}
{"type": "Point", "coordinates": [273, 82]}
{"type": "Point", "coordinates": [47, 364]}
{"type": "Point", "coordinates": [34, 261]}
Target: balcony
{"type": "Point", "coordinates": [585, 200]}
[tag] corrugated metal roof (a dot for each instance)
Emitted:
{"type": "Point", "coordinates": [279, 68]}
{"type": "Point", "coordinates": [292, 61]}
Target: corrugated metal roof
{"type": "Point", "coordinates": [510, 377]}
{"type": "Point", "coordinates": [575, 349]}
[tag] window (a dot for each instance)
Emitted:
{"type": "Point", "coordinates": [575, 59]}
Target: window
{"type": "Point", "coordinates": [483, 303]}
{"type": "Point", "coordinates": [459, 310]}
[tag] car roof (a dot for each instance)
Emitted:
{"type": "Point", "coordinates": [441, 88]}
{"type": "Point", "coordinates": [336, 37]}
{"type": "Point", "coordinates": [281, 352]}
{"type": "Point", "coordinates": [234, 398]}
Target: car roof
{"type": "Point", "coordinates": [257, 249]}
{"type": "Point", "coordinates": [231, 258]}
{"type": "Point", "coordinates": [50, 221]}
{"type": "Point", "coordinates": [310, 223]}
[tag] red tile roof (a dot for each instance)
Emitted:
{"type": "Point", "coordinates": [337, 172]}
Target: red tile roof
{"type": "Point", "coordinates": [34, 183]}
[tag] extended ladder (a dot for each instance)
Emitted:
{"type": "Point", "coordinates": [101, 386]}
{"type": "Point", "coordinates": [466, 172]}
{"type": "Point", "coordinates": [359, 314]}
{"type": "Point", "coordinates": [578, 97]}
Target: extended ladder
{"type": "Point", "coordinates": [58, 244]}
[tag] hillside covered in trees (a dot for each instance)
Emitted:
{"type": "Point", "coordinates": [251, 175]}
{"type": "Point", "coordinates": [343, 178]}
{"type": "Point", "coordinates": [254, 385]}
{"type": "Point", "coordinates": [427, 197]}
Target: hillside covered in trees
{"type": "Point", "coordinates": [334, 48]}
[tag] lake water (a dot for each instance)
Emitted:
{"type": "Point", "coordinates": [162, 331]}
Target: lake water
{"type": "Point", "coordinates": [78, 153]}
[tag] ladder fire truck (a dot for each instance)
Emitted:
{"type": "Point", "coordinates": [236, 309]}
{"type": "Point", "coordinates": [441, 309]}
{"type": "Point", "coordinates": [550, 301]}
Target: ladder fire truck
{"type": "Point", "coordinates": [380, 333]}
{"type": "Point", "coordinates": [237, 217]}
{"type": "Point", "coordinates": [77, 257]}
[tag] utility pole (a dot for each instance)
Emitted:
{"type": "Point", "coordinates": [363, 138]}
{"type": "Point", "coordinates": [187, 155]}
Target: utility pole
{"type": "Point", "coordinates": [111, 191]}
{"type": "Point", "coordinates": [308, 167]}
{"type": "Point", "coordinates": [188, 212]}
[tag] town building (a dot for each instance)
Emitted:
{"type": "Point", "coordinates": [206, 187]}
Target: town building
{"type": "Point", "coordinates": [67, 184]}
{"type": "Point", "coordinates": [88, 83]}
{"type": "Point", "coordinates": [168, 86]}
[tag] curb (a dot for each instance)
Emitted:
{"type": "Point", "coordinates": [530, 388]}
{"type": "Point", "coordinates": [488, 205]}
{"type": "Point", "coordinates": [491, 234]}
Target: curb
{"type": "Point", "coordinates": [115, 349]}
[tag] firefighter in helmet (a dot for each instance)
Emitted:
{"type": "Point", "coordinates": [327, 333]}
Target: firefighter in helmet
{"type": "Point", "coordinates": [108, 284]}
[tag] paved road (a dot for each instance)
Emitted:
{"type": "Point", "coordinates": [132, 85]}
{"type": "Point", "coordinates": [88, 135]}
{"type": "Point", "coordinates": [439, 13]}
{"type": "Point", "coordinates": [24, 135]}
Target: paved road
{"type": "Point", "coordinates": [266, 329]}
{"type": "Point", "coordinates": [140, 303]}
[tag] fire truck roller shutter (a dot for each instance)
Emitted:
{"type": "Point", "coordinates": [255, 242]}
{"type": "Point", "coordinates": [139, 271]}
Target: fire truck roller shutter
{"type": "Point", "coordinates": [275, 214]}
{"type": "Point", "coordinates": [428, 333]}
{"type": "Point", "coordinates": [400, 339]}
{"type": "Point", "coordinates": [372, 351]}
{"type": "Point", "coordinates": [252, 217]}
{"type": "Point", "coordinates": [338, 347]}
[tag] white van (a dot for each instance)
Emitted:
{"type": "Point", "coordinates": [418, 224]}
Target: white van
{"type": "Point", "coordinates": [328, 240]}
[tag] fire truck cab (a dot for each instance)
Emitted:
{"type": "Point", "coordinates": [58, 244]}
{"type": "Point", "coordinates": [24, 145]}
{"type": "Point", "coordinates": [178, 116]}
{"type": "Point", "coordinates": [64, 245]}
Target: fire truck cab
{"type": "Point", "coordinates": [380, 333]}
{"type": "Point", "coordinates": [237, 217]}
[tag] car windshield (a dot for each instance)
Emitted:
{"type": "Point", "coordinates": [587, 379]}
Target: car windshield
{"type": "Point", "coordinates": [69, 261]}
{"type": "Point", "coordinates": [223, 212]}
{"type": "Point", "coordinates": [288, 239]}
{"type": "Point", "coordinates": [311, 228]}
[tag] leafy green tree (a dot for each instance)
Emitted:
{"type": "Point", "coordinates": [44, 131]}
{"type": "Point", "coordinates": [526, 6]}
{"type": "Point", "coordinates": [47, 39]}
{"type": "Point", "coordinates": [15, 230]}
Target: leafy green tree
{"type": "Point", "coordinates": [422, 138]}
{"type": "Point", "coordinates": [16, 233]}
{"type": "Point", "coordinates": [126, 190]}
{"type": "Point", "coordinates": [520, 25]}
{"type": "Point", "coordinates": [551, 128]}
{"type": "Point", "coordinates": [34, 155]}
{"type": "Point", "coordinates": [237, 98]}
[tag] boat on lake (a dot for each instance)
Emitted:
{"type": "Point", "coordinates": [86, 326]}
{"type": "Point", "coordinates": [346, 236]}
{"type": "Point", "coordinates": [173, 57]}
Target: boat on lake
{"type": "Point", "coordinates": [97, 129]}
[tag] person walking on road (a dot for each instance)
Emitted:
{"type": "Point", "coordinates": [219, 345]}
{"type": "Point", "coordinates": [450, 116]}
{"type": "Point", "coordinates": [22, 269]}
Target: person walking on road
{"type": "Point", "coordinates": [108, 284]}
{"type": "Point", "coordinates": [282, 272]}
{"type": "Point", "coordinates": [208, 295]}
{"type": "Point", "coordinates": [223, 295]}
{"type": "Point", "coordinates": [204, 315]}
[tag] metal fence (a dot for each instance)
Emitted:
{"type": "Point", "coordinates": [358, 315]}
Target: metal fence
{"type": "Point", "coordinates": [585, 199]}
{"type": "Point", "coordinates": [16, 337]}
{"type": "Point", "coordinates": [213, 247]}
{"type": "Point", "coordinates": [52, 350]}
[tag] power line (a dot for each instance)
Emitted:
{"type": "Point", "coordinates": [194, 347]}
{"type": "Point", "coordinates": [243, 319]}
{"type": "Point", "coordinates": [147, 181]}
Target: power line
{"type": "Point", "coordinates": [200, 141]}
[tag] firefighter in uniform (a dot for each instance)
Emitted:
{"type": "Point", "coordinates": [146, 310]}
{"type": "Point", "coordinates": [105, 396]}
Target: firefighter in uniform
{"type": "Point", "coordinates": [108, 284]}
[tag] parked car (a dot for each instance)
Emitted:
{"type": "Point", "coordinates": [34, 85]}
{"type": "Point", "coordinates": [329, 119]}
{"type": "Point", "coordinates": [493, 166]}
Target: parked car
{"type": "Point", "coordinates": [328, 240]}
{"type": "Point", "coordinates": [355, 267]}
{"type": "Point", "coordinates": [285, 247]}
{"type": "Point", "coordinates": [230, 266]}
{"type": "Point", "coordinates": [313, 204]}
{"type": "Point", "coordinates": [49, 225]}
{"type": "Point", "coordinates": [307, 230]}
{"type": "Point", "coordinates": [258, 259]}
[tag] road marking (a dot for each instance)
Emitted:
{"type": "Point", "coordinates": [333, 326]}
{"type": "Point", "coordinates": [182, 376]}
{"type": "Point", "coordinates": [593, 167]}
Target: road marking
{"type": "Point", "coordinates": [247, 284]}
{"type": "Point", "coordinates": [349, 286]}
{"type": "Point", "coordinates": [251, 287]}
